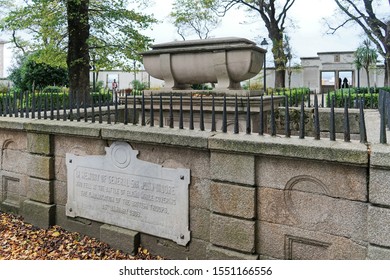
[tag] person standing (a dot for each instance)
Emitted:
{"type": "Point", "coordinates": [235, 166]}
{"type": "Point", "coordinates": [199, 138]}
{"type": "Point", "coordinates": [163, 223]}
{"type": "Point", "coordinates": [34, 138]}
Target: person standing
{"type": "Point", "coordinates": [345, 83]}
{"type": "Point", "coordinates": [114, 85]}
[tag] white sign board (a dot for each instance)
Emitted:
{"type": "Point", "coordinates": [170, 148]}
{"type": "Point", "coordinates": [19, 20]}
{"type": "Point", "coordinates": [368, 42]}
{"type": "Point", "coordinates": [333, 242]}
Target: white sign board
{"type": "Point", "coordinates": [119, 189]}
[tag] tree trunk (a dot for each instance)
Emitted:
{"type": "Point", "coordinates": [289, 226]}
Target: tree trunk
{"type": "Point", "coordinates": [387, 71]}
{"type": "Point", "coordinates": [280, 61]}
{"type": "Point", "coordinates": [368, 80]}
{"type": "Point", "coordinates": [78, 49]}
{"type": "Point", "coordinates": [280, 58]}
{"type": "Point", "coordinates": [280, 75]}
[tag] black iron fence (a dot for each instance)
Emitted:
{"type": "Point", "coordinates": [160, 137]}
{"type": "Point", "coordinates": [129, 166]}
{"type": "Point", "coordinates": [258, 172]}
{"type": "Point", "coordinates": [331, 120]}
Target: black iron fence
{"type": "Point", "coordinates": [351, 96]}
{"type": "Point", "coordinates": [154, 110]}
{"type": "Point", "coordinates": [384, 109]}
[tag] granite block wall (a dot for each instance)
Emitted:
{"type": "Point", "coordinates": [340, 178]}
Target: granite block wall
{"type": "Point", "coordinates": [250, 196]}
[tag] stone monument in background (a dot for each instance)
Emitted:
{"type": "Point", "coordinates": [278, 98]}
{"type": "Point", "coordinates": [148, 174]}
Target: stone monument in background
{"type": "Point", "coordinates": [225, 62]}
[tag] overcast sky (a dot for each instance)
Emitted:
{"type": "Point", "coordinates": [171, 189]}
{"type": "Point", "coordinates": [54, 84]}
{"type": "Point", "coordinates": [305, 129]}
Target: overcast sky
{"type": "Point", "coordinates": [307, 39]}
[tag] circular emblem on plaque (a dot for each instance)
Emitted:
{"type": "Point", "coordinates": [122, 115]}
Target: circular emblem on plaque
{"type": "Point", "coordinates": [121, 155]}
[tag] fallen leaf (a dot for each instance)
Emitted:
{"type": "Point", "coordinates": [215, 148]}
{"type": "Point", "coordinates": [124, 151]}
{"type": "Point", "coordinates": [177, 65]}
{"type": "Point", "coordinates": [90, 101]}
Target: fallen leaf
{"type": "Point", "coordinates": [22, 241]}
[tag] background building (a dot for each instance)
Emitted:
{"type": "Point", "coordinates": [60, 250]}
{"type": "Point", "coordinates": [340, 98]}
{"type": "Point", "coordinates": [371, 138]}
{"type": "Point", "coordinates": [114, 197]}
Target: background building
{"type": "Point", "coordinates": [323, 72]}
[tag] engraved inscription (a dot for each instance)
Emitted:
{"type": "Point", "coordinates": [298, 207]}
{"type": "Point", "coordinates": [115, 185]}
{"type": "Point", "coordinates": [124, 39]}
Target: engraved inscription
{"type": "Point", "coordinates": [124, 194]}
{"type": "Point", "coordinates": [140, 196]}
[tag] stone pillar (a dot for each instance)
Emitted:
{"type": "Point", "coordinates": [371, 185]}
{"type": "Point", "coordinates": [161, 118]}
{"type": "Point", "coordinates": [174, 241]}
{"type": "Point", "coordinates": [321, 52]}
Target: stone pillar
{"type": "Point", "coordinates": [232, 205]}
{"type": "Point", "coordinates": [39, 209]}
{"type": "Point", "coordinates": [379, 210]}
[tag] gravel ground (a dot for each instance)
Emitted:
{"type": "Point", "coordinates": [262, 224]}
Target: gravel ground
{"type": "Point", "coordinates": [22, 241]}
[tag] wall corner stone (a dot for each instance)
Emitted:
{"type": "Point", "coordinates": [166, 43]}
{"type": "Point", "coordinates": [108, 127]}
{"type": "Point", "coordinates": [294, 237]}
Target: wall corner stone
{"type": "Point", "coordinates": [38, 143]}
{"type": "Point", "coordinates": [39, 214]}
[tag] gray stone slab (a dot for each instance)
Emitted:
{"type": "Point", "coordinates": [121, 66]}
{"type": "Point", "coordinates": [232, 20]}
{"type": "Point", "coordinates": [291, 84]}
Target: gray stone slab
{"type": "Point", "coordinates": [233, 168]}
{"type": "Point", "coordinates": [218, 253]}
{"type": "Point", "coordinates": [285, 242]}
{"type": "Point", "coordinates": [378, 253]}
{"type": "Point", "coordinates": [119, 189]}
{"type": "Point", "coordinates": [120, 238]}
{"type": "Point", "coordinates": [379, 186]}
{"type": "Point", "coordinates": [233, 200]}
{"type": "Point", "coordinates": [195, 250]}
{"type": "Point", "coordinates": [39, 214]}
{"type": "Point", "coordinates": [336, 180]}
{"type": "Point", "coordinates": [236, 234]}
{"type": "Point", "coordinates": [378, 225]}
{"type": "Point", "coordinates": [314, 212]}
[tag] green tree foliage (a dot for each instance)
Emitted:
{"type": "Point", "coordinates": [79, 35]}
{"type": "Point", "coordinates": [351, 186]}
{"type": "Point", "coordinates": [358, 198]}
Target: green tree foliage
{"type": "Point", "coordinates": [273, 14]}
{"type": "Point", "coordinates": [114, 38]}
{"type": "Point", "coordinates": [39, 25]}
{"type": "Point", "coordinates": [194, 17]}
{"type": "Point", "coordinates": [365, 57]}
{"type": "Point", "coordinates": [29, 74]}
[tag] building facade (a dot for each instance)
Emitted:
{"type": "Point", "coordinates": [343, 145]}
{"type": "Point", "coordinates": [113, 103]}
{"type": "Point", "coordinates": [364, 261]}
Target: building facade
{"type": "Point", "coordinates": [329, 71]}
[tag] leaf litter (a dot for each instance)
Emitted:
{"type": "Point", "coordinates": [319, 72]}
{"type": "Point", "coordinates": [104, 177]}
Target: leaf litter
{"type": "Point", "coordinates": [23, 241]}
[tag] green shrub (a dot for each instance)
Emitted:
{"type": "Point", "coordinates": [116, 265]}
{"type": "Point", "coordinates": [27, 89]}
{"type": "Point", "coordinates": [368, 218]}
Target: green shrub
{"type": "Point", "coordinates": [52, 89]}
{"type": "Point", "coordinates": [294, 95]}
{"type": "Point", "coordinates": [353, 95]}
{"type": "Point", "coordinates": [201, 87]}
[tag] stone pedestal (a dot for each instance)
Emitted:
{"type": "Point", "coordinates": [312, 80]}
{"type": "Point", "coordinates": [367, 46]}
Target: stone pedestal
{"type": "Point", "coordinates": [254, 102]}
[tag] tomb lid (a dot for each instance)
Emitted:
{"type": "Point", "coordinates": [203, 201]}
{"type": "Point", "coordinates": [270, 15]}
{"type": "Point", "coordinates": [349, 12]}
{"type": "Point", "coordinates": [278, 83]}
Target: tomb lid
{"type": "Point", "coordinates": [213, 44]}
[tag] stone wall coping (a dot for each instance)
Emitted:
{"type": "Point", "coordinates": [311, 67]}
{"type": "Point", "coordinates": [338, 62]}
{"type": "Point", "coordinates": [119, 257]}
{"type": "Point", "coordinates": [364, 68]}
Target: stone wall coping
{"type": "Point", "coordinates": [156, 135]}
{"type": "Point", "coordinates": [52, 126]}
{"type": "Point", "coordinates": [380, 156]}
{"type": "Point", "coordinates": [353, 152]}
{"type": "Point", "coordinates": [335, 151]}
{"type": "Point", "coordinates": [213, 44]}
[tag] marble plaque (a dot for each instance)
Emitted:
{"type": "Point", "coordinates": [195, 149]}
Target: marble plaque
{"type": "Point", "coordinates": [119, 189]}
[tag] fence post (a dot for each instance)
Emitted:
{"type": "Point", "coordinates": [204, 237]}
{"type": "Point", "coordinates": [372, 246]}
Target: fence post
{"type": "Point", "coordinates": [287, 120]}
{"type": "Point", "coordinates": [362, 124]}
{"type": "Point", "coordinates": [236, 129]}
{"type": "Point", "coordinates": [181, 114]}
{"type": "Point", "coordinates": [302, 119]}
{"type": "Point", "coordinates": [261, 116]}
{"type": "Point", "coordinates": [224, 116]}
{"type": "Point", "coordinates": [332, 125]}
{"type": "Point", "coordinates": [273, 123]}
{"type": "Point", "coordinates": [248, 116]}
{"type": "Point", "coordinates": [347, 135]}
{"type": "Point", "coordinates": [201, 114]}
{"type": "Point", "coordinates": [191, 114]}
{"type": "Point", "coordinates": [151, 109]}
{"type": "Point", "coordinates": [382, 108]}
{"type": "Point", "coordinates": [317, 129]}
{"type": "Point", "coordinates": [213, 125]}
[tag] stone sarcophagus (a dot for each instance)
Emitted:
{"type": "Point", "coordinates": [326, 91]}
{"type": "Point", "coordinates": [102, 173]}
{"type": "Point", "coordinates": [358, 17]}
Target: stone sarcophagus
{"type": "Point", "coordinates": [224, 61]}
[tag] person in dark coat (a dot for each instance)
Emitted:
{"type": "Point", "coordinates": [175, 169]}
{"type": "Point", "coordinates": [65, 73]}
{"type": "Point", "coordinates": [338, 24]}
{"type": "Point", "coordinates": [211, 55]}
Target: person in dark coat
{"type": "Point", "coordinates": [345, 83]}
